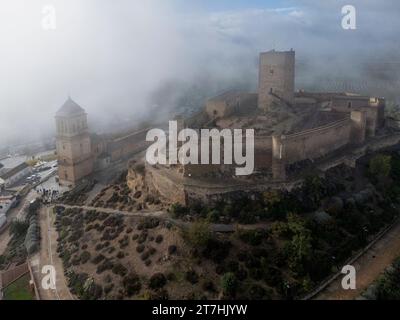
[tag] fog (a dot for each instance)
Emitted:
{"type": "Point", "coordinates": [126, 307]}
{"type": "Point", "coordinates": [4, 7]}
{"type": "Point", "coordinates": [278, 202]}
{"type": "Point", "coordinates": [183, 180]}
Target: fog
{"type": "Point", "coordinates": [125, 61]}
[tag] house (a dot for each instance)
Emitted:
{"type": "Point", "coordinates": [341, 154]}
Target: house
{"type": "Point", "coordinates": [3, 220]}
{"type": "Point", "coordinates": [15, 174]}
{"type": "Point", "coordinates": [6, 203]}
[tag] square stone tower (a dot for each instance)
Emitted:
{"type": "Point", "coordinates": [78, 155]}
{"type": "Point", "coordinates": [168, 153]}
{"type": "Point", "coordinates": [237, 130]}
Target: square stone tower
{"type": "Point", "coordinates": [75, 160]}
{"type": "Point", "coordinates": [276, 78]}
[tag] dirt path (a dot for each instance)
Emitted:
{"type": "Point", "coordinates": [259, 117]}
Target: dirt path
{"type": "Point", "coordinates": [215, 227]}
{"type": "Point", "coordinates": [144, 213]}
{"type": "Point", "coordinates": [48, 256]}
{"type": "Point", "coordinates": [369, 266]}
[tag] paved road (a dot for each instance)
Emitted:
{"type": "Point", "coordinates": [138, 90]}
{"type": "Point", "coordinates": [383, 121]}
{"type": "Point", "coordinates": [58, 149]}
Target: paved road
{"type": "Point", "coordinates": [369, 266]}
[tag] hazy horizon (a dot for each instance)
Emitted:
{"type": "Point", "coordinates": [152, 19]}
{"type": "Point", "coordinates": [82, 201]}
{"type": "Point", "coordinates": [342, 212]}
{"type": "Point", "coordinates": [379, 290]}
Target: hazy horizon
{"type": "Point", "coordinates": [126, 60]}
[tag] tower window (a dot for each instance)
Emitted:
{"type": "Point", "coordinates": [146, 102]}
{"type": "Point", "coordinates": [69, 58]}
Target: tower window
{"type": "Point", "coordinates": [271, 71]}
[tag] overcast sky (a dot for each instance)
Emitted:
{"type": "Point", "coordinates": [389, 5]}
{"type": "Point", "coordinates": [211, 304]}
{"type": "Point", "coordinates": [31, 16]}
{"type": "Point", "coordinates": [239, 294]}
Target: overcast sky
{"type": "Point", "coordinates": [111, 56]}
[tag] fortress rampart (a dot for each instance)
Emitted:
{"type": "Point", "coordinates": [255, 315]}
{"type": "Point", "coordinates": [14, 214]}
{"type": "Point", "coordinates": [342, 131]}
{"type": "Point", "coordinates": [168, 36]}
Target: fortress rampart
{"type": "Point", "coordinates": [314, 143]}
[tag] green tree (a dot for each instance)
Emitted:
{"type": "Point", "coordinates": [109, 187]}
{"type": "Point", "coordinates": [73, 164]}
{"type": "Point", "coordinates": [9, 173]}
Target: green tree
{"type": "Point", "coordinates": [229, 284]}
{"type": "Point", "coordinates": [198, 234]}
{"type": "Point", "coordinates": [213, 216]}
{"type": "Point", "coordinates": [298, 249]}
{"type": "Point", "coordinates": [380, 166]}
{"type": "Point", "coordinates": [178, 211]}
{"type": "Point", "coordinates": [19, 228]}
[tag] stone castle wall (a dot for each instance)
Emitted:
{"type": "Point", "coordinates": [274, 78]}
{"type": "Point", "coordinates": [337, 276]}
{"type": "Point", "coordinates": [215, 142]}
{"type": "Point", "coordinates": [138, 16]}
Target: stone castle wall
{"type": "Point", "coordinates": [165, 186]}
{"type": "Point", "coordinates": [314, 143]}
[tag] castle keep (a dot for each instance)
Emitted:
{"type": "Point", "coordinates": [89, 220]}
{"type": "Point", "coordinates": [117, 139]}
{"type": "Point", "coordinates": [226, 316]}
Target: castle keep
{"type": "Point", "coordinates": [276, 78]}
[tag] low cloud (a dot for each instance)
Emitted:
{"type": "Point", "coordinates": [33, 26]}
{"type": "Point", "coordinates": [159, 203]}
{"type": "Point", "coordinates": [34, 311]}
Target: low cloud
{"type": "Point", "coordinates": [121, 59]}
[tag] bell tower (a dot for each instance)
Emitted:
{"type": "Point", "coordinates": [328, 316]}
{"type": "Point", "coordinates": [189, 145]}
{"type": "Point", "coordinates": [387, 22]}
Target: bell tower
{"type": "Point", "coordinates": [75, 160]}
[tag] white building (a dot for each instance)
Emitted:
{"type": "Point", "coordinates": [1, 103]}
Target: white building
{"type": "Point", "coordinates": [2, 184]}
{"type": "Point", "coordinates": [15, 174]}
{"type": "Point", "coordinates": [7, 202]}
{"type": "Point", "coordinates": [3, 220]}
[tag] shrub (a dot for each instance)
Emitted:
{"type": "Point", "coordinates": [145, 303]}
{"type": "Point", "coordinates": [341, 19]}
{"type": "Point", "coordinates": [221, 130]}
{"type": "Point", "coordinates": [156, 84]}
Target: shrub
{"type": "Point", "coordinates": [172, 249]}
{"type": "Point", "coordinates": [106, 265]}
{"type": "Point", "coordinates": [145, 255]}
{"type": "Point", "coordinates": [157, 281]}
{"type": "Point", "coordinates": [241, 274]}
{"type": "Point", "coordinates": [229, 284]}
{"type": "Point", "coordinates": [192, 277]}
{"type": "Point", "coordinates": [76, 260]}
{"type": "Point", "coordinates": [213, 216]}
{"type": "Point", "coordinates": [159, 238]}
{"type": "Point", "coordinates": [149, 223]}
{"type": "Point", "coordinates": [380, 166]}
{"type": "Point", "coordinates": [147, 262]}
{"type": "Point", "coordinates": [119, 269]}
{"type": "Point", "coordinates": [108, 288]}
{"type": "Point", "coordinates": [216, 250]}
{"type": "Point", "coordinates": [178, 211]}
{"type": "Point", "coordinates": [257, 292]}
{"type": "Point", "coordinates": [18, 228]}
{"type": "Point", "coordinates": [198, 234]}
{"type": "Point", "coordinates": [124, 242]}
{"type": "Point", "coordinates": [131, 284]}
{"type": "Point", "coordinates": [85, 257]}
{"type": "Point", "coordinates": [252, 237]}
{"type": "Point", "coordinates": [208, 285]}
{"type": "Point", "coordinates": [142, 238]}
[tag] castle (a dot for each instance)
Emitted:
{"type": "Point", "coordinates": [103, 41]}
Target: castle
{"type": "Point", "coordinates": [293, 130]}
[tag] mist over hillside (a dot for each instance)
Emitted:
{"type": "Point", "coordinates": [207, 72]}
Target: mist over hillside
{"type": "Point", "coordinates": [127, 62]}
